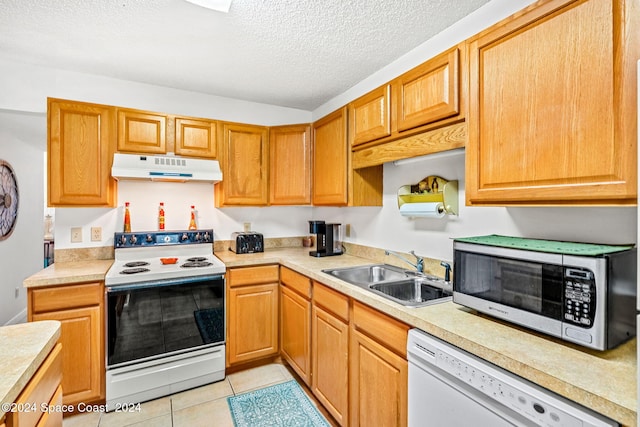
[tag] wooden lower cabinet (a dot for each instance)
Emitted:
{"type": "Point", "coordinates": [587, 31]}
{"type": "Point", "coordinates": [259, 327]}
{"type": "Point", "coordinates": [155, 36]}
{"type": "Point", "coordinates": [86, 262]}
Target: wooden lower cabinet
{"type": "Point", "coordinates": [79, 309]}
{"type": "Point", "coordinates": [43, 389]}
{"type": "Point", "coordinates": [252, 313]}
{"type": "Point", "coordinates": [378, 369]}
{"type": "Point", "coordinates": [295, 322]}
{"type": "Point", "coordinates": [330, 352]}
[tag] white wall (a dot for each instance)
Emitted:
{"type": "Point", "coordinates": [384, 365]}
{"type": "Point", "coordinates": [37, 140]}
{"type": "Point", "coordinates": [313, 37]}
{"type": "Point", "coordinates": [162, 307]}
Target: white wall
{"type": "Point", "coordinates": [385, 228]}
{"type": "Point", "coordinates": [144, 198]}
{"type": "Point", "coordinates": [26, 88]}
{"type": "Point", "coordinates": [21, 255]}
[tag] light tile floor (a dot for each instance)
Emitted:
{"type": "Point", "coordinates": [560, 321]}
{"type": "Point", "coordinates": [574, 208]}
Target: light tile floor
{"type": "Point", "coordinates": [202, 406]}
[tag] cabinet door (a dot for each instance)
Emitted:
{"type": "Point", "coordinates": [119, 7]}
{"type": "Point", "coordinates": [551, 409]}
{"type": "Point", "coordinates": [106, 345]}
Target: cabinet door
{"type": "Point", "coordinates": [295, 332]}
{"type": "Point", "coordinates": [196, 138]}
{"type": "Point", "coordinates": [80, 147]}
{"type": "Point", "coordinates": [290, 165]}
{"type": "Point", "coordinates": [253, 322]}
{"type": "Point", "coordinates": [244, 164]}
{"type": "Point", "coordinates": [369, 116]}
{"type": "Point", "coordinates": [429, 92]}
{"type": "Point", "coordinates": [378, 384]}
{"type": "Point", "coordinates": [330, 161]}
{"type": "Point", "coordinates": [541, 130]}
{"type": "Point", "coordinates": [142, 131]}
{"type": "Point", "coordinates": [82, 353]}
{"type": "Point", "coordinates": [330, 349]}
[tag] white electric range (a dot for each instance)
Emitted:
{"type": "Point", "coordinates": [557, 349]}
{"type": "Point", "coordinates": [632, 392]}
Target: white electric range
{"type": "Point", "coordinates": [165, 321]}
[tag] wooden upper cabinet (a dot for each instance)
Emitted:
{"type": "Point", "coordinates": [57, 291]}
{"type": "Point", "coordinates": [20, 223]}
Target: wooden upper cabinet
{"type": "Point", "coordinates": [552, 114]}
{"type": "Point", "coordinates": [245, 166]}
{"type": "Point", "coordinates": [369, 116]}
{"type": "Point", "coordinates": [427, 93]}
{"type": "Point", "coordinates": [290, 165]}
{"type": "Point", "coordinates": [142, 131]}
{"type": "Point", "coordinates": [80, 147]}
{"type": "Point", "coordinates": [196, 138]}
{"type": "Point", "coordinates": [330, 159]}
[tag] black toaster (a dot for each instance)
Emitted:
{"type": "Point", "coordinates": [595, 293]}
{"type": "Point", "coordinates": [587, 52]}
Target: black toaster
{"type": "Point", "coordinates": [246, 242]}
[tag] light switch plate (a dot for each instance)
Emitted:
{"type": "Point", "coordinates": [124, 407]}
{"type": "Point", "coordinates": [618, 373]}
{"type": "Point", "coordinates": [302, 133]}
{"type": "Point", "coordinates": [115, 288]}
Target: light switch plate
{"type": "Point", "coordinates": [76, 234]}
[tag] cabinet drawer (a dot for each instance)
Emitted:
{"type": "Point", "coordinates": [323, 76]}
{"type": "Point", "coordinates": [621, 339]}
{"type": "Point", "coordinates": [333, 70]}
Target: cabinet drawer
{"type": "Point", "coordinates": [252, 275]}
{"type": "Point", "coordinates": [66, 297]}
{"type": "Point", "coordinates": [53, 418]}
{"type": "Point", "coordinates": [382, 328]}
{"type": "Point", "coordinates": [39, 390]}
{"type": "Point", "coordinates": [296, 281]}
{"type": "Point", "coordinates": [332, 301]}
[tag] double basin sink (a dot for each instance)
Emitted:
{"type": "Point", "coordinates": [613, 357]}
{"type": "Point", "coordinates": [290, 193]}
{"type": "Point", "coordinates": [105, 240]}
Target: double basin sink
{"type": "Point", "coordinates": [406, 287]}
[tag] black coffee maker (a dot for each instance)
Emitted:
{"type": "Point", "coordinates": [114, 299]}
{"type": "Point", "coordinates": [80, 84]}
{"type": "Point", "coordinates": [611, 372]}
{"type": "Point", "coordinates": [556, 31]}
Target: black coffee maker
{"type": "Point", "coordinates": [328, 242]}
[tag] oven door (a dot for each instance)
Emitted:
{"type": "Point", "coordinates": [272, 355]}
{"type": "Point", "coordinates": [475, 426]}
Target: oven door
{"type": "Point", "coordinates": [150, 320]}
{"type": "Point", "coordinates": [523, 287]}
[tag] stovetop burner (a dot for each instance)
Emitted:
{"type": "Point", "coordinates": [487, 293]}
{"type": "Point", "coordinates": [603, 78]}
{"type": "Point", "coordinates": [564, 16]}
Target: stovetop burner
{"type": "Point", "coordinates": [146, 257]}
{"type": "Point", "coordinates": [197, 259]}
{"type": "Point", "coordinates": [135, 270]}
{"type": "Point", "coordinates": [136, 264]}
{"type": "Point", "coordinates": [196, 264]}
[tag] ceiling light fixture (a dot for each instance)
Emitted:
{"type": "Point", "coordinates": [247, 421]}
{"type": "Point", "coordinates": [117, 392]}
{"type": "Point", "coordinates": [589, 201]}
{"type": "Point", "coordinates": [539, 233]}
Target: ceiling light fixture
{"type": "Point", "coordinates": [217, 5]}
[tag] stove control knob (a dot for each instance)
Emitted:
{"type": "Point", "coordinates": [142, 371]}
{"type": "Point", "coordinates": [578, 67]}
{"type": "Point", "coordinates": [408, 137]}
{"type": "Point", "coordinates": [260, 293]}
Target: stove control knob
{"type": "Point", "coordinates": [133, 239]}
{"type": "Point", "coordinates": [198, 236]}
{"type": "Point", "coordinates": [149, 239]}
{"type": "Point", "coordinates": [207, 236]}
{"type": "Point", "coordinates": [123, 240]}
{"type": "Point", "coordinates": [184, 237]}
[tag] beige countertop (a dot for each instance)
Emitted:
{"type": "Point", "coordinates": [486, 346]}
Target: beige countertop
{"type": "Point", "coordinates": [602, 381]}
{"type": "Point", "coordinates": [63, 273]}
{"type": "Point", "coordinates": [23, 348]}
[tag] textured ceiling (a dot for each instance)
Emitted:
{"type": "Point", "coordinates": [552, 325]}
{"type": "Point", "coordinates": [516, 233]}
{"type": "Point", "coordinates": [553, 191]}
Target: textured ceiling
{"type": "Point", "coordinates": [293, 53]}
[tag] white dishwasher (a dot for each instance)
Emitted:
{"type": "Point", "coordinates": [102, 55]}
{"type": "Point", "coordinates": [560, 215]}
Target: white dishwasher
{"type": "Point", "coordinates": [449, 387]}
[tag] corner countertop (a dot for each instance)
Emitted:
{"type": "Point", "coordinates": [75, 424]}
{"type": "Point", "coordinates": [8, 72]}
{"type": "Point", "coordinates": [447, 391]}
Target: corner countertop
{"type": "Point", "coordinates": [603, 381]}
{"type": "Point", "coordinates": [64, 273]}
{"type": "Point", "coordinates": [23, 348]}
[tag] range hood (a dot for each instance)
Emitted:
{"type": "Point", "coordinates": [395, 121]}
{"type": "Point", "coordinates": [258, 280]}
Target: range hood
{"type": "Point", "coordinates": [165, 168]}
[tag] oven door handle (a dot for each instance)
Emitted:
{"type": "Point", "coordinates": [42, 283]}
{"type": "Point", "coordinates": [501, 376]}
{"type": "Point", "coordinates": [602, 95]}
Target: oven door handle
{"type": "Point", "coordinates": [163, 282]}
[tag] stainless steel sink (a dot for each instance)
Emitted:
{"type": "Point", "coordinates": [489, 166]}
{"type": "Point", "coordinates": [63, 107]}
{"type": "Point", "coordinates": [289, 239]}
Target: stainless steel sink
{"type": "Point", "coordinates": [405, 287]}
{"type": "Point", "coordinates": [412, 292]}
{"type": "Point", "coordinates": [366, 275]}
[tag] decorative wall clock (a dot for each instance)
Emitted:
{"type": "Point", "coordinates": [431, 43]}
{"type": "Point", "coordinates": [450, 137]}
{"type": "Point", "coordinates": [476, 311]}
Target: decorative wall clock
{"type": "Point", "coordinates": [8, 199]}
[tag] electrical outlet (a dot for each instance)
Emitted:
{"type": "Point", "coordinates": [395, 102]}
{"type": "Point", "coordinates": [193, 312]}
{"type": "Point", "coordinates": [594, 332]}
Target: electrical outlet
{"type": "Point", "coordinates": [247, 226]}
{"type": "Point", "coordinates": [347, 230]}
{"type": "Point", "coordinates": [17, 292]}
{"type": "Point", "coordinates": [96, 234]}
{"type": "Point", "coordinates": [76, 234]}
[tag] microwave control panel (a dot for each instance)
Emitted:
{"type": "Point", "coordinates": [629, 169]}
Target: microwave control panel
{"type": "Point", "coordinates": [579, 297]}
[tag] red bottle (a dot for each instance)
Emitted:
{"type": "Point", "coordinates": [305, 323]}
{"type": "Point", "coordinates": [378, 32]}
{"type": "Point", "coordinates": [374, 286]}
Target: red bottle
{"type": "Point", "coordinates": [161, 216]}
{"type": "Point", "coordinates": [192, 222]}
{"type": "Point", "coordinates": [127, 218]}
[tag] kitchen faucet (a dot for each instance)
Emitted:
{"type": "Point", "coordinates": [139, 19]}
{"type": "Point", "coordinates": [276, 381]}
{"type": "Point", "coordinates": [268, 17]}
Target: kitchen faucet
{"type": "Point", "coordinates": [419, 265]}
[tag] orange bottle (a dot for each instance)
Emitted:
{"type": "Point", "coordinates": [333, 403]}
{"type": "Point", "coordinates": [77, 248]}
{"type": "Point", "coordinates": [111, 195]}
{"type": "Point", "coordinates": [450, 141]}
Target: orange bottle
{"type": "Point", "coordinates": [192, 222]}
{"type": "Point", "coordinates": [127, 218]}
{"type": "Point", "coordinates": [161, 216]}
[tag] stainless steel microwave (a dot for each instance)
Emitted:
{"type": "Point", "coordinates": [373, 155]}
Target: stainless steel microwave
{"type": "Point", "coordinates": [582, 293]}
